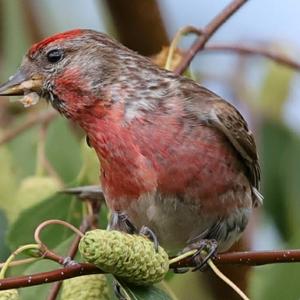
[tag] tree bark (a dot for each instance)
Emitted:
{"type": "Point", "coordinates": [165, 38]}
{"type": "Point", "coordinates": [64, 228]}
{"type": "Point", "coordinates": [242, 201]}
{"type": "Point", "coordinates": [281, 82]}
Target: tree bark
{"type": "Point", "coordinates": [139, 25]}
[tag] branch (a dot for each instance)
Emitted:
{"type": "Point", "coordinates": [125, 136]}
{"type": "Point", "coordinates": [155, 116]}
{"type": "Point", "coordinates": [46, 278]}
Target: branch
{"type": "Point", "coordinates": [47, 277]}
{"type": "Point", "coordinates": [207, 32]}
{"type": "Point", "coordinates": [252, 258]}
{"type": "Point", "coordinates": [258, 258]}
{"type": "Point", "coordinates": [41, 117]}
{"type": "Point", "coordinates": [246, 50]}
{"type": "Point", "coordinates": [141, 28]}
{"type": "Point", "coordinates": [85, 225]}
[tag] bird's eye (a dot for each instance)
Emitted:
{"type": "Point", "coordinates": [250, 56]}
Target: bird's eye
{"type": "Point", "coordinates": [54, 56]}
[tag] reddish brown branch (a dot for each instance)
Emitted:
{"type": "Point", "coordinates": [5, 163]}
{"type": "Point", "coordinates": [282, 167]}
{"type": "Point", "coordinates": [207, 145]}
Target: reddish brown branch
{"type": "Point", "coordinates": [257, 258]}
{"type": "Point", "coordinates": [246, 50]}
{"type": "Point", "coordinates": [51, 276]}
{"type": "Point", "coordinates": [250, 258]}
{"type": "Point", "coordinates": [253, 258]}
{"type": "Point", "coordinates": [207, 32]}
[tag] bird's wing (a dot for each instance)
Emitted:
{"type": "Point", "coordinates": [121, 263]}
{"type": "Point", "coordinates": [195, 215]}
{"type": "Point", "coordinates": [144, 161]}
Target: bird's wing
{"type": "Point", "coordinates": [222, 115]}
{"type": "Point", "coordinates": [227, 119]}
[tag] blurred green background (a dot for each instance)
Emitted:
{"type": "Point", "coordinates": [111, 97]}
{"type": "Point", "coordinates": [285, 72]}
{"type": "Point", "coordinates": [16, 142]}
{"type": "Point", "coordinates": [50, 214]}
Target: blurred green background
{"type": "Point", "coordinates": [47, 156]}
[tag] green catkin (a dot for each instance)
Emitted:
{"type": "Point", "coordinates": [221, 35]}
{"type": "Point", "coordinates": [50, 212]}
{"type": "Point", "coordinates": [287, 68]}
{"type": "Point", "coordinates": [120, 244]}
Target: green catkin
{"type": "Point", "coordinates": [88, 287]}
{"type": "Point", "coordinates": [33, 190]}
{"type": "Point", "coordinates": [129, 257]}
{"type": "Point", "coordinates": [9, 295]}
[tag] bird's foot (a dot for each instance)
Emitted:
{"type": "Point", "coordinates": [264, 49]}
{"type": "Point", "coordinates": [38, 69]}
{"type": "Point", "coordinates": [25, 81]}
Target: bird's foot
{"type": "Point", "coordinates": [147, 232]}
{"type": "Point", "coordinates": [205, 250]}
{"type": "Point", "coordinates": [120, 221]}
{"type": "Point", "coordinates": [200, 252]}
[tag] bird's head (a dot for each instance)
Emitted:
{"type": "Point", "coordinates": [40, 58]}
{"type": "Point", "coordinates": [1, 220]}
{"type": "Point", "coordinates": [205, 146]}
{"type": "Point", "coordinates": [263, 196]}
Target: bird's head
{"type": "Point", "coordinates": [68, 69]}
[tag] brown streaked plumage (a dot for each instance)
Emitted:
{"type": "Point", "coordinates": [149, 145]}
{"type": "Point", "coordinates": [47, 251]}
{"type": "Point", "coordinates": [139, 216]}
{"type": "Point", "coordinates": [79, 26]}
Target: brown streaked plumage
{"type": "Point", "coordinates": [174, 156]}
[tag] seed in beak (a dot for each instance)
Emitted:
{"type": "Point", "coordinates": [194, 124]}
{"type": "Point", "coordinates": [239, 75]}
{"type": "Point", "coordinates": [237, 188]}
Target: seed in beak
{"type": "Point", "coordinates": [30, 99]}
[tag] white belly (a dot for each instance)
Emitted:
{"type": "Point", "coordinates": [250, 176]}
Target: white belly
{"type": "Point", "coordinates": [177, 222]}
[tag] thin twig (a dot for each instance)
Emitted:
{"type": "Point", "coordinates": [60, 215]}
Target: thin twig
{"type": "Point", "coordinates": [85, 225]}
{"type": "Point", "coordinates": [247, 50]}
{"type": "Point", "coordinates": [21, 262]}
{"type": "Point", "coordinates": [52, 172]}
{"type": "Point", "coordinates": [174, 44]}
{"type": "Point", "coordinates": [41, 117]}
{"type": "Point", "coordinates": [227, 280]}
{"type": "Point", "coordinates": [49, 254]}
{"type": "Point", "coordinates": [14, 254]}
{"type": "Point", "coordinates": [52, 222]}
{"type": "Point", "coordinates": [207, 32]}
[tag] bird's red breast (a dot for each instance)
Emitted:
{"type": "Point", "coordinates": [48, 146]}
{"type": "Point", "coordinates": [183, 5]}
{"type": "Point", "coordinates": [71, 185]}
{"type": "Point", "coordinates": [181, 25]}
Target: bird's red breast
{"type": "Point", "coordinates": [160, 152]}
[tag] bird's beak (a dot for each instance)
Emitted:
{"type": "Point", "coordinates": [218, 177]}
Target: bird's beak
{"type": "Point", "coordinates": [19, 84]}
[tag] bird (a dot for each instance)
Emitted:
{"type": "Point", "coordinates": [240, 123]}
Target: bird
{"type": "Point", "coordinates": [175, 157]}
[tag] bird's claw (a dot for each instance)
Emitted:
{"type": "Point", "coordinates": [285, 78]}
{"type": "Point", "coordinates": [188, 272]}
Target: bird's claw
{"type": "Point", "coordinates": [120, 221]}
{"type": "Point", "coordinates": [129, 225]}
{"type": "Point", "coordinates": [205, 250]}
{"type": "Point", "coordinates": [147, 232]}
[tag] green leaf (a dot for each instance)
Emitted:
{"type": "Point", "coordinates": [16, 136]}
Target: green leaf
{"type": "Point", "coordinates": [57, 207]}
{"type": "Point", "coordinates": [275, 89]}
{"type": "Point", "coordinates": [63, 150]}
{"type": "Point", "coordinates": [151, 292]}
{"type": "Point", "coordinates": [103, 217]}
{"type": "Point", "coordinates": [7, 182]}
{"type": "Point", "coordinates": [132, 292]}
{"type": "Point", "coordinates": [3, 227]}
{"type": "Point", "coordinates": [90, 170]}
{"type": "Point", "coordinates": [32, 190]}
{"type": "Point", "coordinates": [23, 149]}
{"type": "Point", "coordinates": [13, 49]}
{"type": "Point", "coordinates": [277, 281]}
{"type": "Point", "coordinates": [291, 187]}
{"type": "Point", "coordinates": [276, 139]}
